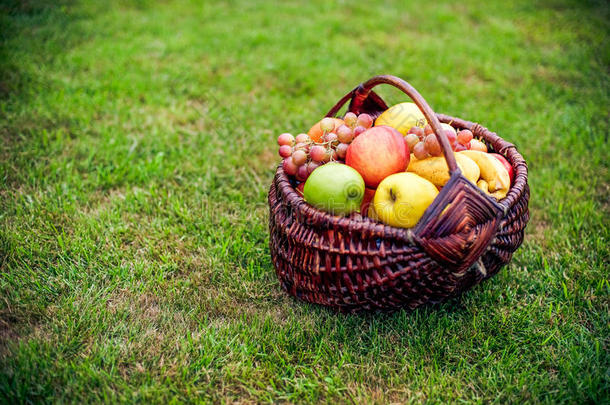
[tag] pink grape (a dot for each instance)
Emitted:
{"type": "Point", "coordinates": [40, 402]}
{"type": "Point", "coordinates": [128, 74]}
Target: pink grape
{"type": "Point", "coordinates": [365, 120]}
{"type": "Point", "coordinates": [299, 157]}
{"type": "Point", "coordinates": [350, 119]}
{"type": "Point", "coordinates": [475, 144]}
{"type": "Point", "coordinates": [412, 140]}
{"type": "Point", "coordinates": [328, 153]}
{"type": "Point", "coordinates": [285, 151]}
{"type": "Point", "coordinates": [311, 166]}
{"type": "Point", "coordinates": [289, 167]}
{"type": "Point", "coordinates": [285, 139]}
{"type": "Point", "coordinates": [330, 137]}
{"type": "Point", "coordinates": [464, 136]}
{"type": "Point", "coordinates": [345, 134]}
{"type": "Point", "coordinates": [302, 138]}
{"type": "Point", "coordinates": [428, 130]}
{"type": "Point", "coordinates": [432, 145]}
{"type": "Point", "coordinates": [419, 150]}
{"type": "Point", "coordinates": [317, 153]}
{"type": "Point", "coordinates": [341, 150]}
{"type": "Point", "coordinates": [358, 130]}
{"type": "Point", "coordinates": [417, 131]}
{"type": "Point", "coordinates": [451, 137]}
{"type": "Point", "coordinates": [327, 124]}
{"type": "Point", "coordinates": [302, 173]}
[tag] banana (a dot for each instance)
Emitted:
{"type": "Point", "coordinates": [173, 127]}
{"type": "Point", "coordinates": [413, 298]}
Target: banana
{"type": "Point", "coordinates": [435, 169]}
{"type": "Point", "coordinates": [482, 184]}
{"type": "Point", "coordinates": [495, 180]}
{"type": "Point", "coordinates": [498, 195]}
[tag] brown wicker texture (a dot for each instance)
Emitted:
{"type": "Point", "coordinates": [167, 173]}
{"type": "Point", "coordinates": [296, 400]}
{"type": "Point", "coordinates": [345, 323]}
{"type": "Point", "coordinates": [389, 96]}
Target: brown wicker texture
{"type": "Point", "coordinates": [353, 263]}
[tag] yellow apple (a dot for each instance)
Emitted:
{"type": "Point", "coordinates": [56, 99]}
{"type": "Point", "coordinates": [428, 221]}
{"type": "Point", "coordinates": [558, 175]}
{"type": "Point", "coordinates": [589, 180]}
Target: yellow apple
{"type": "Point", "coordinates": [402, 198]}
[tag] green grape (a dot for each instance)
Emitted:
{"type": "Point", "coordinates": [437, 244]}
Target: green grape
{"type": "Point", "coordinates": [350, 119]}
{"type": "Point", "coordinates": [327, 124]}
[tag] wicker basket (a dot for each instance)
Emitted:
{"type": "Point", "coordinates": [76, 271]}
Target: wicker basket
{"type": "Point", "coordinates": [353, 264]}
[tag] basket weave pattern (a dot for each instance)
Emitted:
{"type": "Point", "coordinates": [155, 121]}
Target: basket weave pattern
{"type": "Point", "coordinates": [353, 264]}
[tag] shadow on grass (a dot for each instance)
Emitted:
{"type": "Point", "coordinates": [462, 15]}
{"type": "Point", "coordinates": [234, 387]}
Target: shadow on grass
{"type": "Point", "coordinates": [25, 28]}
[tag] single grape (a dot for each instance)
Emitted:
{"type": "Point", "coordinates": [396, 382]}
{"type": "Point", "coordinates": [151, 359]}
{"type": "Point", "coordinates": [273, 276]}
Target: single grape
{"type": "Point", "coordinates": [327, 124]}
{"type": "Point", "coordinates": [412, 140]}
{"type": "Point", "coordinates": [419, 150]}
{"type": "Point", "coordinates": [289, 167]}
{"type": "Point", "coordinates": [464, 136]}
{"type": "Point", "coordinates": [285, 139]}
{"type": "Point", "coordinates": [311, 166]}
{"type": "Point", "coordinates": [475, 144]}
{"type": "Point", "coordinates": [345, 134]}
{"type": "Point", "coordinates": [328, 153]}
{"type": "Point", "coordinates": [350, 119]}
{"type": "Point", "coordinates": [285, 151]}
{"type": "Point", "coordinates": [358, 130]}
{"type": "Point", "coordinates": [299, 157]}
{"type": "Point", "coordinates": [317, 153]}
{"type": "Point", "coordinates": [419, 131]}
{"type": "Point", "coordinates": [302, 138]}
{"type": "Point", "coordinates": [330, 137]}
{"type": "Point", "coordinates": [451, 137]}
{"type": "Point", "coordinates": [341, 150]}
{"type": "Point", "coordinates": [428, 130]}
{"type": "Point", "coordinates": [365, 120]}
{"type": "Point", "coordinates": [302, 173]}
{"type": "Point", "coordinates": [432, 145]}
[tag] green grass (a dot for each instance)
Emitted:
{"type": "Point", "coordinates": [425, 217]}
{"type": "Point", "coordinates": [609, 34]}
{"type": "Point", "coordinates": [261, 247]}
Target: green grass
{"type": "Point", "coordinates": [136, 151]}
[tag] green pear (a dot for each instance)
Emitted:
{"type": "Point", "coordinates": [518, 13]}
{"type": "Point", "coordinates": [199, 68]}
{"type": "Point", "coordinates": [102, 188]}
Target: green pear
{"type": "Point", "coordinates": [335, 188]}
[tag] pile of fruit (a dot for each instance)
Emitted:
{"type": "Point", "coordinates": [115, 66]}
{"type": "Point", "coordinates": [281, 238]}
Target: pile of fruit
{"type": "Point", "coordinates": [389, 170]}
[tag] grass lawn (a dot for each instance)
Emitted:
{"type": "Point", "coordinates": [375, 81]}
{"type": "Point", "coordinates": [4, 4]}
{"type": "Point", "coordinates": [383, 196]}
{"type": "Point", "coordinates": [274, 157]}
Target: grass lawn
{"type": "Point", "coordinates": [137, 145]}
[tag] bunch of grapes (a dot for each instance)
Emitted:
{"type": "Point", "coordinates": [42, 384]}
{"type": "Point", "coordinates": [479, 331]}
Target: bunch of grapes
{"type": "Point", "coordinates": [302, 155]}
{"type": "Point", "coordinates": [423, 141]}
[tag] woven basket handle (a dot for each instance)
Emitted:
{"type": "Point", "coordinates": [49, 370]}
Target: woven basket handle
{"type": "Point", "coordinates": [360, 94]}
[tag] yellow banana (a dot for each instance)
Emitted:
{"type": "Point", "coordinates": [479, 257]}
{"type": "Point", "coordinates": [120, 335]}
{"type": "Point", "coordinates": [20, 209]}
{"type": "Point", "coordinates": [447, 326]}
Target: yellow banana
{"type": "Point", "coordinates": [494, 174]}
{"type": "Point", "coordinates": [435, 169]}
{"type": "Point", "coordinates": [498, 195]}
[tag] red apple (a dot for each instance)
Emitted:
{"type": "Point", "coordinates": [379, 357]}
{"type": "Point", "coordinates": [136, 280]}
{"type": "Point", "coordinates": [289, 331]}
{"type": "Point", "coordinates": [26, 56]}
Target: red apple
{"type": "Point", "coordinates": [377, 153]}
{"type": "Point", "coordinates": [369, 193]}
{"type": "Point", "coordinates": [502, 159]}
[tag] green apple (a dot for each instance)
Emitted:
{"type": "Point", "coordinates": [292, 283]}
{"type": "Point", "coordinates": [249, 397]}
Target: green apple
{"type": "Point", "coordinates": [335, 188]}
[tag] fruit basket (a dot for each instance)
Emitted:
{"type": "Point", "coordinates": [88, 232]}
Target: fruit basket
{"type": "Point", "coordinates": [356, 264]}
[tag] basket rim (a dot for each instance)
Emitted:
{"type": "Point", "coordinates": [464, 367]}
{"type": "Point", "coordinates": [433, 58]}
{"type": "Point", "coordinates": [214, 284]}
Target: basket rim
{"type": "Point", "coordinates": [321, 218]}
